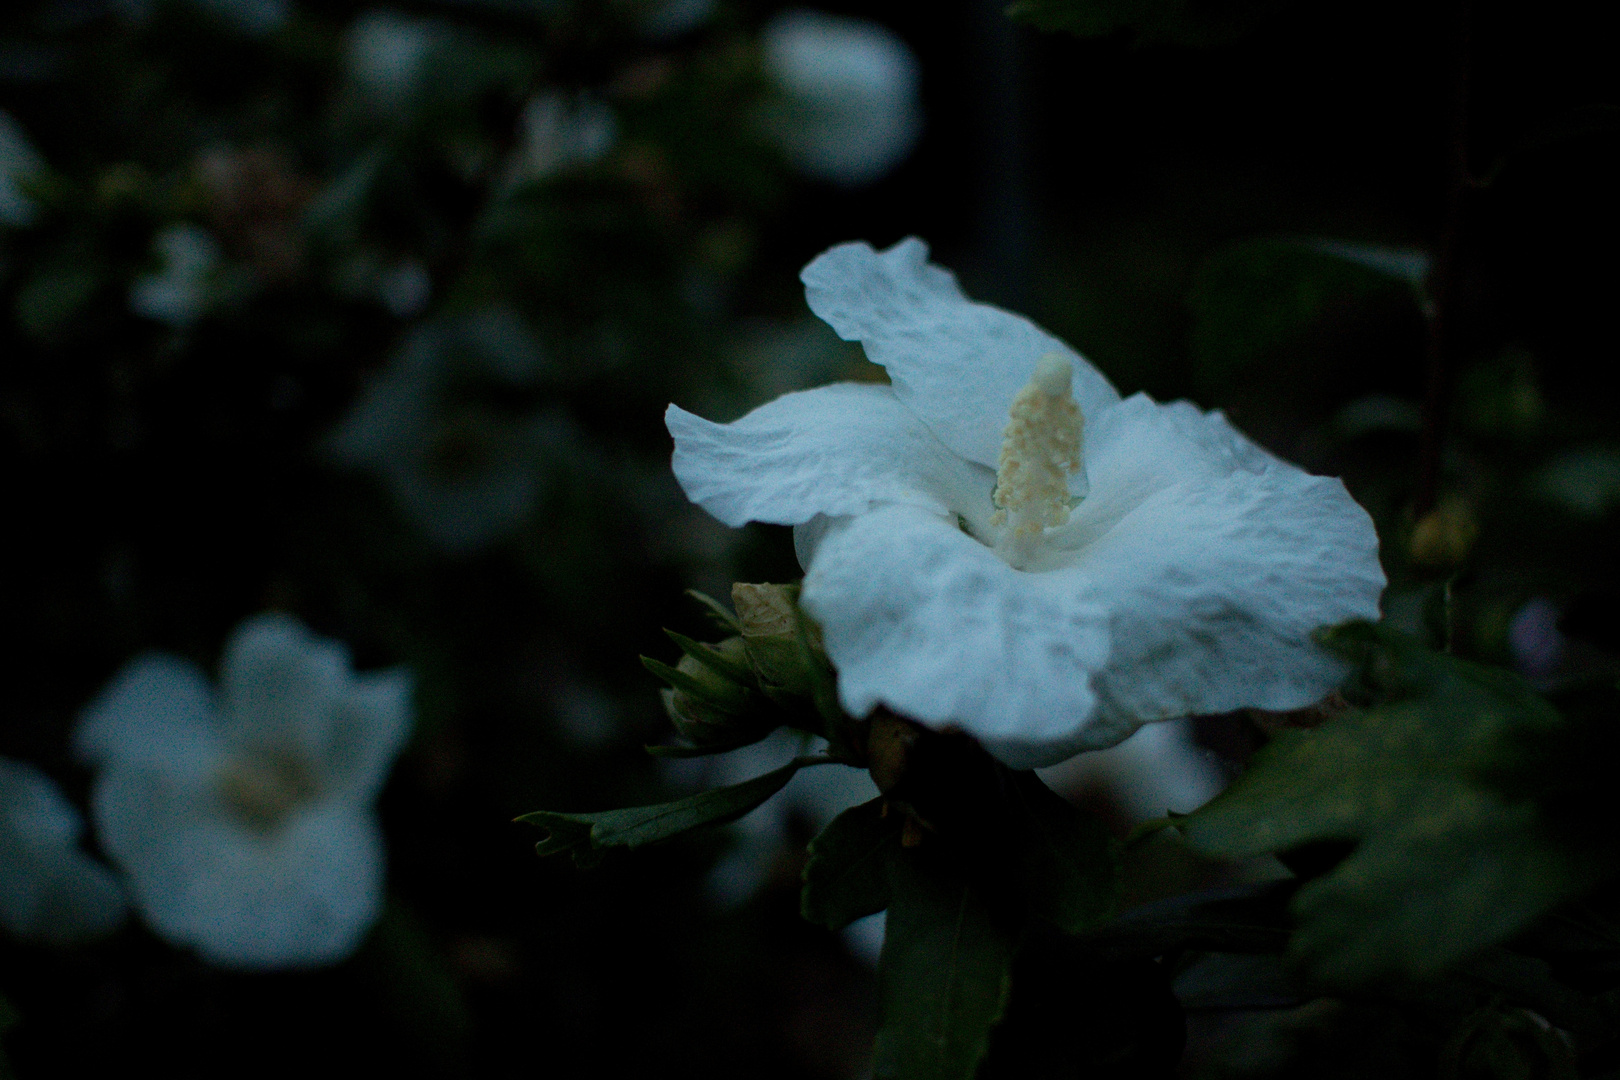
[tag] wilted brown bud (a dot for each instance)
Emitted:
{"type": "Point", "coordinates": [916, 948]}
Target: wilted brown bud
{"type": "Point", "coordinates": [1444, 537]}
{"type": "Point", "coordinates": [888, 748]}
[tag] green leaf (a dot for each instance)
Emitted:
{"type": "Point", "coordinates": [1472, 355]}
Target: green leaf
{"type": "Point", "coordinates": [634, 826]}
{"type": "Point", "coordinates": [1442, 800]}
{"type": "Point", "coordinates": [943, 975]}
{"type": "Point", "coordinates": [1066, 862]}
{"type": "Point", "coordinates": [846, 876]}
{"type": "Point", "coordinates": [1255, 297]}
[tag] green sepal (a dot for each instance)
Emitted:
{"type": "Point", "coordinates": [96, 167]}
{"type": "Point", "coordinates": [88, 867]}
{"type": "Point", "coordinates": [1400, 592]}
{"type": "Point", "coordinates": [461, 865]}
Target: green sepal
{"type": "Point", "coordinates": [717, 611]}
{"type": "Point", "coordinates": [668, 750]}
{"type": "Point", "coordinates": [635, 826]}
{"type": "Point", "coordinates": [731, 698]}
{"type": "Point", "coordinates": [943, 977]}
{"type": "Point", "coordinates": [846, 876]}
{"type": "Point", "coordinates": [713, 659]}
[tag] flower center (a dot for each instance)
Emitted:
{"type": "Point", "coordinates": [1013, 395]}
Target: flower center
{"type": "Point", "coordinates": [1040, 451]}
{"type": "Point", "coordinates": [263, 789]}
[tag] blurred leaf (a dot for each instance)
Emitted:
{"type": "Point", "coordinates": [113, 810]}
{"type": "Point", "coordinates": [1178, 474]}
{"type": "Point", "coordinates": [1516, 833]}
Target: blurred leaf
{"type": "Point", "coordinates": [846, 876]}
{"type": "Point", "coordinates": [54, 296]}
{"type": "Point", "coordinates": [634, 826]}
{"type": "Point", "coordinates": [1066, 864]}
{"type": "Point", "coordinates": [943, 975]}
{"type": "Point", "coordinates": [1197, 23]}
{"type": "Point", "coordinates": [1259, 295]}
{"type": "Point", "coordinates": [1434, 786]}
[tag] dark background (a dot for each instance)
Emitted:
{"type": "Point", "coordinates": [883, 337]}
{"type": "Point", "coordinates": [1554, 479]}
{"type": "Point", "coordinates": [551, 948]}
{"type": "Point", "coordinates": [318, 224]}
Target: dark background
{"type": "Point", "coordinates": [162, 486]}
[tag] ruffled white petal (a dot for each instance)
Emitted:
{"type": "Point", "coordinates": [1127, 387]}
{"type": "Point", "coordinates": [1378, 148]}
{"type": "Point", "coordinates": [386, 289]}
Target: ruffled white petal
{"type": "Point", "coordinates": [49, 890]}
{"type": "Point", "coordinates": [836, 450]}
{"type": "Point", "coordinates": [923, 618]}
{"type": "Point", "coordinates": [1216, 562]}
{"type": "Point", "coordinates": [301, 894]}
{"type": "Point", "coordinates": [159, 709]}
{"type": "Point", "coordinates": [954, 363]}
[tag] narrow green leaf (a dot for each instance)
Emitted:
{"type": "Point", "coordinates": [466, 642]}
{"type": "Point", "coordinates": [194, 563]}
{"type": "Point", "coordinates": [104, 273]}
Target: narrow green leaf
{"type": "Point", "coordinates": [943, 975]}
{"type": "Point", "coordinates": [635, 826]}
{"type": "Point", "coordinates": [717, 611]}
{"type": "Point", "coordinates": [846, 876]}
{"type": "Point", "coordinates": [707, 691]}
{"type": "Point", "coordinates": [713, 659]}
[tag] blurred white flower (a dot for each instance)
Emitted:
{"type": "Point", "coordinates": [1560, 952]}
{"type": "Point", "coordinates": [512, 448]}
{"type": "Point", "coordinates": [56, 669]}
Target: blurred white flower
{"type": "Point", "coordinates": [1585, 482]}
{"type": "Point", "coordinates": [49, 890]}
{"type": "Point", "coordinates": [404, 288]}
{"type": "Point", "coordinates": [462, 464]}
{"type": "Point", "coordinates": [387, 57]}
{"type": "Point", "coordinates": [19, 163]}
{"type": "Point", "coordinates": [249, 16]}
{"type": "Point", "coordinates": [558, 132]}
{"type": "Point", "coordinates": [850, 108]}
{"type": "Point", "coordinates": [996, 541]}
{"type": "Point", "coordinates": [671, 18]}
{"type": "Point", "coordinates": [181, 292]}
{"type": "Point", "coordinates": [1158, 769]}
{"type": "Point", "coordinates": [244, 822]}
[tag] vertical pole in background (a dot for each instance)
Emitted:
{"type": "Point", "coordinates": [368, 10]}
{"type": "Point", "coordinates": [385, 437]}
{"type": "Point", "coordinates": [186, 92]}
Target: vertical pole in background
{"type": "Point", "coordinates": [1004, 229]}
{"type": "Point", "coordinates": [1442, 284]}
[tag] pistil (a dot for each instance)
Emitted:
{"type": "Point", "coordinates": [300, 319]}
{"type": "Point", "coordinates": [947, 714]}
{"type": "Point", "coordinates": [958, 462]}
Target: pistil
{"type": "Point", "coordinates": [1040, 452]}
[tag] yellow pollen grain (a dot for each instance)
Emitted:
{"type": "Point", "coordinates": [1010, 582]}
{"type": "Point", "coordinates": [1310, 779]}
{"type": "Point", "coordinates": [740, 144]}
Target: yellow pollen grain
{"type": "Point", "coordinates": [1040, 448]}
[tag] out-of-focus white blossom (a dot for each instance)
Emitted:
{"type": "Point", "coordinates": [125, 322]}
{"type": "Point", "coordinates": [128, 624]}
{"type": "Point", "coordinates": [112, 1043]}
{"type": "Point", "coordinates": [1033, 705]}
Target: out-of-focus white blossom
{"type": "Point", "coordinates": [19, 163]}
{"type": "Point", "coordinates": [849, 109]}
{"type": "Point", "coordinates": [666, 19]}
{"type": "Point", "coordinates": [997, 541]}
{"type": "Point", "coordinates": [1538, 646]}
{"type": "Point", "coordinates": [558, 132]}
{"type": "Point", "coordinates": [180, 293]}
{"type": "Point", "coordinates": [1157, 770]}
{"type": "Point", "coordinates": [249, 16]}
{"type": "Point", "coordinates": [464, 466]}
{"type": "Point", "coordinates": [388, 56]}
{"type": "Point", "coordinates": [243, 821]}
{"type": "Point", "coordinates": [50, 890]}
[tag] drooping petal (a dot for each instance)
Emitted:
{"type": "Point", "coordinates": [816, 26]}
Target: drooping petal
{"type": "Point", "coordinates": [49, 890]}
{"type": "Point", "coordinates": [839, 449]}
{"type": "Point", "coordinates": [921, 617]}
{"type": "Point", "coordinates": [300, 894]}
{"type": "Point", "coordinates": [1215, 562]}
{"type": "Point", "coordinates": [160, 708]}
{"type": "Point", "coordinates": [955, 363]}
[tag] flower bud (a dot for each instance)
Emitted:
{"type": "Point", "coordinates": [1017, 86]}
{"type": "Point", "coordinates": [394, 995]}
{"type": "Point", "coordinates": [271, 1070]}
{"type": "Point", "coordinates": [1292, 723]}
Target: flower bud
{"type": "Point", "coordinates": [1444, 536]}
{"type": "Point", "coordinates": [705, 705]}
{"type": "Point", "coordinates": [772, 626]}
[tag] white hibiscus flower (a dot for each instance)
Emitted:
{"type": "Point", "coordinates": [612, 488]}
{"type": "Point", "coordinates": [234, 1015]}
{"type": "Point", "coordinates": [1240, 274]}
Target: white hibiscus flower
{"type": "Point", "coordinates": [49, 889]}
{"type": "Point", "coordinates": [244, 823]}
{"type": "Point", "coordinates": [998, 542]}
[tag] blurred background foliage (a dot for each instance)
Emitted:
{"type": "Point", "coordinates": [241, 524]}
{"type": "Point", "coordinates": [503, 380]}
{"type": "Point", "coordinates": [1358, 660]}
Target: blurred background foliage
{"type": "Point", "coordinates": [370, 314]}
